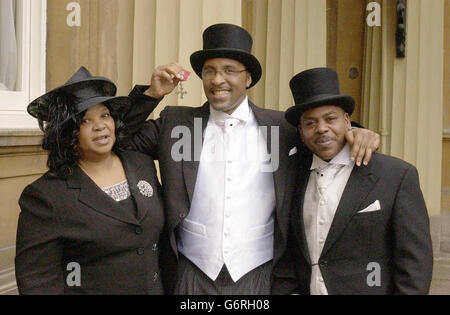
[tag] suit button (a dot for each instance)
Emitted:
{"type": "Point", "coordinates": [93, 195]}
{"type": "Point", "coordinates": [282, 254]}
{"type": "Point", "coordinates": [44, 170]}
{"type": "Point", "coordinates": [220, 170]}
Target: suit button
{"type": "Point", "coordinates": [140, 251]}
{"type": "Point", "coordinates": [139, 230]}
{"type": "Point", "coordinates": [183, 215]}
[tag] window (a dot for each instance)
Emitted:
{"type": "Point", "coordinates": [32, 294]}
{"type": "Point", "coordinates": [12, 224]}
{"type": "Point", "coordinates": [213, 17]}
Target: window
{"type": "Point", "coordinates": [22, 60]}
{"type": "Point", "coordinates": [8, 49]}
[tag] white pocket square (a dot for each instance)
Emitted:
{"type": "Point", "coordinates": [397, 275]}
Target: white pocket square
{"type": "Point", "coordinates": [293, 151]}
{"type": "Point", "coordinates": [373, 207]}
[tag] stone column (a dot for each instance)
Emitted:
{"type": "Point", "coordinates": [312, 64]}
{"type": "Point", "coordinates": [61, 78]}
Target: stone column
{"type": "Point", "coordinates": [403, 97]}
{"type": "Point", "coordinates": [289, 37]}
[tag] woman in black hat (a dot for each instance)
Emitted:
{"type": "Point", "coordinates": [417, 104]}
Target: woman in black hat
{"type": "Point", "coordinates": [92, 223]}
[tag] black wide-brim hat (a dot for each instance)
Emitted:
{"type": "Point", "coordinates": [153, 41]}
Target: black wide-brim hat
{"type": "Point", "coordinates": [87, 91]}
{"type": "Point", "coordinates": [313, 88]}
{"type": "Point", "coordinates": [227, 41]}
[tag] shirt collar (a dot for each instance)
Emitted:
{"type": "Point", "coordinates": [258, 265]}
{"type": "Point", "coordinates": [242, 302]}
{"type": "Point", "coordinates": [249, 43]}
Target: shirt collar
{"type": "Point", "coordinates": [242, 113]}
{"type": "Point", "coordinates": [342, 158]}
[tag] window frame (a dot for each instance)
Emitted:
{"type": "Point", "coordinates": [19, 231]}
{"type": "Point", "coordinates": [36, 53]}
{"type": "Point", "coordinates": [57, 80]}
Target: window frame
{"type": "Point", "coordinates": [31, 83]}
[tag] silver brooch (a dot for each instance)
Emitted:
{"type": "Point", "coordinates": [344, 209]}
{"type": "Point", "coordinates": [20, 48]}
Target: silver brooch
{"type": "Point", "coordinates": [145, 188]}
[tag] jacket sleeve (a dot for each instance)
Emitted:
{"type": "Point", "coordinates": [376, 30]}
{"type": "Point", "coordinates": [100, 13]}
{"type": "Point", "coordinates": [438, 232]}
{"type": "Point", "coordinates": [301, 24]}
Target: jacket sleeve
{"type": "Point", "coordinates": [38, 247]}
{"type": "Point", "coordinates": [144, 134]}
{"type": "Point", "coordinates": [413, 254]}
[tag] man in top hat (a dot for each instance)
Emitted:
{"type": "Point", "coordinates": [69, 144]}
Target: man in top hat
{"type": "Point", "coordinates": [354, 230]}
{"type": "Point", "coordinates": [226, 203]}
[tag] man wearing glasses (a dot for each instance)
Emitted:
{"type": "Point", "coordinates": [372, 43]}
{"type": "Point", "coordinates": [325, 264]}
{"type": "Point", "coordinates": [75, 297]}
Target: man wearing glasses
{"type": "Point", "coordinates": [228, 197]}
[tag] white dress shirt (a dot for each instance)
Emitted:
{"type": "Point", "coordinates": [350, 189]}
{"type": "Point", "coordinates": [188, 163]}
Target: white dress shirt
{"type": "Point", "coordinates": [323, 194]}
{"type": "Point", "coordinates": [231, 220]}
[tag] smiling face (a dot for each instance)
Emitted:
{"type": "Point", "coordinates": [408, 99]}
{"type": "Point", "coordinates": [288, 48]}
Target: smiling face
{"type": "Point", "coordinates": [323, 130]}
{"type": "Point", "coordinates": [226, 92]}
{"type": "Point", "coordinates": [97, 133]}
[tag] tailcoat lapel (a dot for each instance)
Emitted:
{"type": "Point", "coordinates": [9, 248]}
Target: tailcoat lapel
{"type": "Point", "coordinates": [190, 168]}
{"type": "Point", "coordinates": [279, 174]}
{"type": "Point", "coordinates": [133, 173]}
{"type": "Point", "coordinates": [302, 184]}
{"type": "Point", "coordinates": [359, 185]}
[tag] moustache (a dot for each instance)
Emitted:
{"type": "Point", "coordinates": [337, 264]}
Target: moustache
{"type": "Point", "coordinates": [323, 139]}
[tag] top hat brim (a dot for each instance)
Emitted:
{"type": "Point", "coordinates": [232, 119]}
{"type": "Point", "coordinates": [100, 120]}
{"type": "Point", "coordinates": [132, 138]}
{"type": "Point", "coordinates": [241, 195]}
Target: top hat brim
{"type": "Point", "coordinates": [248, 60]}
{"type": "Point", "coordinates": [346, 102]}
{"type": "Point", "coordinates": [38, 108]}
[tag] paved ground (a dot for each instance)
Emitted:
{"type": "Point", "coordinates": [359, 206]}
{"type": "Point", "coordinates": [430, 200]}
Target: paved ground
{"type": "Point", "coordinates": [441, 278]}
{"type": "Point", "coordinates": [441, 269]}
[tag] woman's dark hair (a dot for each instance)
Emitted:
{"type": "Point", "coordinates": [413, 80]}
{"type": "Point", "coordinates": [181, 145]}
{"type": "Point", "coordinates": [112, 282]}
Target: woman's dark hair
{"type": "Point", "coordinates": [61, 134]}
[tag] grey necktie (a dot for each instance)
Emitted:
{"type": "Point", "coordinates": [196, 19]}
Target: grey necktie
{"type": "Point", "coordinates": [325, 176]}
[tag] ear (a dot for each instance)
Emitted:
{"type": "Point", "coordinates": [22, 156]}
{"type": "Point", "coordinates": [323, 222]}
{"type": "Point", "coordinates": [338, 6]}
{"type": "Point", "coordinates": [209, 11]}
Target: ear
{"type": "Point", "coordinates": [249, 80]}
{"type": "Point", "coordinates": [348, 122]}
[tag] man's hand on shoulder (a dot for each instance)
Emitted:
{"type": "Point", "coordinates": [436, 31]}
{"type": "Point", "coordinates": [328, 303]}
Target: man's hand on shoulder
{"type": "Point", "coordinates": [364, 142]}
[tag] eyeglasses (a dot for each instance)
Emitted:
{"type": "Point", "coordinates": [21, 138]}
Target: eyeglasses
{"type": "Point", "coordinates": [209, 74]}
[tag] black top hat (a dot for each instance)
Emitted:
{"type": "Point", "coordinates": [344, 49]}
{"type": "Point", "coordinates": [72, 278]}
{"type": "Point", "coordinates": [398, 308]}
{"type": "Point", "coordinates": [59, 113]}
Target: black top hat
{"type": "Point", "coordinates": [313, 88]}
{"type": "Point", "coordinates": [87, 90]}
{"type": "Point", "coordinates": [227, 41]}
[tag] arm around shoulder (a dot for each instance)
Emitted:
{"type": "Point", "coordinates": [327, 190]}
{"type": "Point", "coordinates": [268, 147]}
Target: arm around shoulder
{"type": "Point", "coordinates": [143, 106]}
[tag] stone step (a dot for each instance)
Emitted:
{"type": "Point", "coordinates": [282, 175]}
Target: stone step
{"type": "Point", "coordinates": [8, 282]}
{"type": "Point", "coordinates": [444, 246]}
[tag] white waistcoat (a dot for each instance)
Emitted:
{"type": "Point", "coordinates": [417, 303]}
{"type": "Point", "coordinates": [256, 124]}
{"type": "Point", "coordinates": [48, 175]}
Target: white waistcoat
{"type": "Point", "coordinates": [231, 220]}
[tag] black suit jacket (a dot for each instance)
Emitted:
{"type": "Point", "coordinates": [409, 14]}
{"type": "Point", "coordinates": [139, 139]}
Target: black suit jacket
{"type": "Point", "coordinates": [396, 238]}
{"type": "Point", "coordinates": [179, 178]}
{"type": "Point", "coordinates": [74, 221]}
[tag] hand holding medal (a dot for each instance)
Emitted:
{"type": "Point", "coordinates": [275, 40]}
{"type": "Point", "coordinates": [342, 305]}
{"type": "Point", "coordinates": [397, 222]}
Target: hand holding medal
{"type": "Point", "coordinates": [165, 79]}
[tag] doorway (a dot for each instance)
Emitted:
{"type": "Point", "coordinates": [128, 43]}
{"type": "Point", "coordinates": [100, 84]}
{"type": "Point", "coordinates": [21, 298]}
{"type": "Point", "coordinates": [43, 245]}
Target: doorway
{"type": "Point", "coordinates": [345, 46]}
